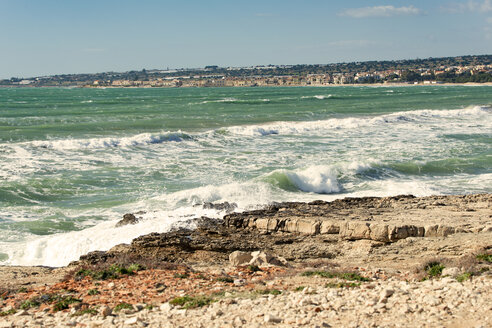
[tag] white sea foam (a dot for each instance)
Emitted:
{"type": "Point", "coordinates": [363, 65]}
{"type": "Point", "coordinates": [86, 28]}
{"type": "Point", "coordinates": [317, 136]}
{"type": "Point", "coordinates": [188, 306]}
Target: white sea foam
{"type": "Point", "coordinates": [94, 143]}
{"type": "Point", "coordinates": [292, 128]}
{"type": "Point", "coordinates": [317, 179]}
{"type": "Point", "coordinates": [60, 249]}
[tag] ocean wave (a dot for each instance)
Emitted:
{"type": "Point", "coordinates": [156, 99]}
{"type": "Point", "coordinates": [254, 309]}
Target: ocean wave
{"type": "Point", "coordinates": [231, 100]}
{"type": "Point", "coordinates": [95, 143]}
{"type": "Point", "coordinates": [293, 128]}
{"type": "Point", "coordinates": [319, 97]}
{"type": "Point", "coordinates": [318, 179]}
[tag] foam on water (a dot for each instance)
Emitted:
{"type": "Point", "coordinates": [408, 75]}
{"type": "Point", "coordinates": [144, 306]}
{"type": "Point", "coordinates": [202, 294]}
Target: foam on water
{"type": "Point", "coordinates": [319, 182]}
{"type": "Point", "coordinates": [94, 143]}
{"type": "Point", "coordinates": [291, 128]}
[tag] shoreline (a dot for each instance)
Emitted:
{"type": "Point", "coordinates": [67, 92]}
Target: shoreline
{"type": "Point", "coordinates": [467, 84]}
{"type": "Point", "coordinates": [388, 242]}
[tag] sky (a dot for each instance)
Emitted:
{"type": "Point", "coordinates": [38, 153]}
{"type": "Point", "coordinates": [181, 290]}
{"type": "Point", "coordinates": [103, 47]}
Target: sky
{"type": "Point", "coordinates": [47, 37]}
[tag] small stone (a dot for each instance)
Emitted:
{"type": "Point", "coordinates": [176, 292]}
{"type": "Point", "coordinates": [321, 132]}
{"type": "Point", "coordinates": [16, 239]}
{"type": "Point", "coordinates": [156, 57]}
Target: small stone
{"type": "Point", "coordinates": [239, 282]}
{"type": "Point", "coordinates": [452, 272]}
{"type": "Point", "coordinates": [166, 307]}
{"type": "Point", "coordinates": [105, 311]}
{"type": "Point", "coordinates": [111, 285]}
{"type": "Point", "coordinates": [22, 312]}
{"type": "Point", "coordinates": [131, 321]}
{"type": "Point", "coordinates": [272, 319]}
{"type": "Point", "coordinates": [138, 307]}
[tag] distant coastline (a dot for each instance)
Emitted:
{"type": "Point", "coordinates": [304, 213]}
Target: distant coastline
{"type": "Point", "coordinates": [467, 84]}
{"type": "Point", "coordinates": [467, 70]}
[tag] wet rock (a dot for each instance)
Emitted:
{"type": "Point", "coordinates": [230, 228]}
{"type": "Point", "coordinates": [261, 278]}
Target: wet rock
{"type": "Point", "coordinates": [127, 219]}
{"type": "Point", "coordinates": [225, 206]}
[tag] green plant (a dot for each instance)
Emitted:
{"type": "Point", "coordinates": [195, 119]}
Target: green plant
{"type": "Point", "coordinates": [29, 304]}
{"type": "Point", "coordinates": [180, 300]}
{"type": "Point", "coordinates": [352, 276]}
{"type": "Point", "coordinates": [300, 288]}
{"type": "Point", "coordinates": [225, 279]}
{"type": "Point", "coordinates": [324, 274]}
{"type": "Point", "coordinates": [93, 292]}
{"type": "Point", "coordinates": [341, 275]}
{"type": "Point", "coordinates": [135, 267]}
{"type": "Point", "coordinates": [115, 271]}
{"type": "Point", "coordinates": [22, 290]}
{"type": "Point", "coordinates": [181, 275]}
{"type": "Point", "coordinates": [90, 311]}
{"type": "Point", "coordinates": [485, 257]}
{"type": "Point", "coordinates": [434, 269]}
{"type": "Point", "coordinates": [8, 312]}
{"type": "Point", "coordinates": [342, 285]}
{"type": "Point", "coordinates": [188, 302]}
{"type": "Point", "coordinates": [464, 276]}
{"type": "Point", "coordinates": [268, 291]}
{"type": "Point", "coordinates": [64, 303]}
{"type": "Point", "coordinates": [123, 306]}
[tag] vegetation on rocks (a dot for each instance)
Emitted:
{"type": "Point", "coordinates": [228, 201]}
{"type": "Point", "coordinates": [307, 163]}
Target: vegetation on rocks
{"type": "Point", "coordinates": [342, 285]}
{"type": "Point", "coordinates": [464, 276]}
{"type": "Point", "coordinates": [93, 292]}
{"type": "Point", "coordinates": [114, 271]}
{"type": "Point", "coordinates": [268, 292]}
{"type": "Point", "coordinates": [122, 306]}
{"type": "Point", "coordinates": [190, 302]}
{"type": "Point", "coordinates": [434, 269]}
{"type": "Point", "coordinates": [64, 303]}
{"type": "Point", "coordinates": [485, 257]}
{"type": "Point", "coordinates": [90, 311]}
{"type": "Point", "coordinates": [8, 312]}
{"type": "Point", "coordinates": [341, 275]}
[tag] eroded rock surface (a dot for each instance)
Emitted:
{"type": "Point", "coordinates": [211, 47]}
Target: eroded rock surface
{"type": "Point", "coordinates": [367, 229]}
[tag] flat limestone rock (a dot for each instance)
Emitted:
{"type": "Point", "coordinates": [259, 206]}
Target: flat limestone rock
{"type": "Point", "coordinates": [386, 219]}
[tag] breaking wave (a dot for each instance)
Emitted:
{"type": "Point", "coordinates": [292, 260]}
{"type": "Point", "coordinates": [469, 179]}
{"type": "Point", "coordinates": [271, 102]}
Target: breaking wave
{"type": "Point", "coordinates": [94, 143]}
{"type": "Point", "coordinates": [420, 116]}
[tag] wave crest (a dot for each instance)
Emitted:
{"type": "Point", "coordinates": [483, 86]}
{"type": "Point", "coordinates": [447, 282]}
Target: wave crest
{"type": "Point", "coordinates": [94, 143]}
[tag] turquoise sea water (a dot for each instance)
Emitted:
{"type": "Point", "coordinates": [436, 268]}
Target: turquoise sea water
{"type": "Point", "coordinates": [72, 161]}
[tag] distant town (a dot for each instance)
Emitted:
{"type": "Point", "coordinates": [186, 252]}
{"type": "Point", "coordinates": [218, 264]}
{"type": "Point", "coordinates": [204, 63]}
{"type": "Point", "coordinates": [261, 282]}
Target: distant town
{"type": "Point", "coordinates": [462, 69]}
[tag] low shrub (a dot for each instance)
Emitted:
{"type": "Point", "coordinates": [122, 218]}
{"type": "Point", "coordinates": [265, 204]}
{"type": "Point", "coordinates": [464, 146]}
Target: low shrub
{"type": "Point", "coordinates": [123, 306]}
{"type": "Point", "coordinates": [434, 269]}
{"type": "Point", "coordinates": [464, 276]}
{"type": "Point", "coordinates": [189, 302]}
{"type": "Point", "coordinates": [341, 275]}
{"type": "Point", "coordinates": [64, 303]}
{"type": "Point", "coordinates": [485, 257]}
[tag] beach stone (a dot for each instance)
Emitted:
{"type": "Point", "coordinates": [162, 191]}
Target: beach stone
{"type": "Point", "coordinates": [105, 311]}
{"type": "Point", "coordinates": [131, 321]}
{"type": "Point", "coordinates": [270, 318]}
{"type": "Point", "coordinates": [240, 258]}
{"type": "Point", "coordinates": [225, 206]}
{"type": "Point", "coordinates": [452, 272]}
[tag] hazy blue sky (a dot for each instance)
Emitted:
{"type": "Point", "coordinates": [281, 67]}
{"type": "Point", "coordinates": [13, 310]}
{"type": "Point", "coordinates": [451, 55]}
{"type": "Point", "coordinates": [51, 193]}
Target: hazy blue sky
{"type": "Point", "coordinates": [43, 37]}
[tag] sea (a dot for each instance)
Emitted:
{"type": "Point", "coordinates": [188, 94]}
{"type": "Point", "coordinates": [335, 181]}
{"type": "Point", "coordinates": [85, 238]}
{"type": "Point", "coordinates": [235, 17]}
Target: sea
{"type": "Point", "coordinates": [74, 160]}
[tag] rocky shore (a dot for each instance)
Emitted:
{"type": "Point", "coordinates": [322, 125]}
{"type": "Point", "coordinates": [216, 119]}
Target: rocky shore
{"type": "Point", "coordinates": [357, 262]}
